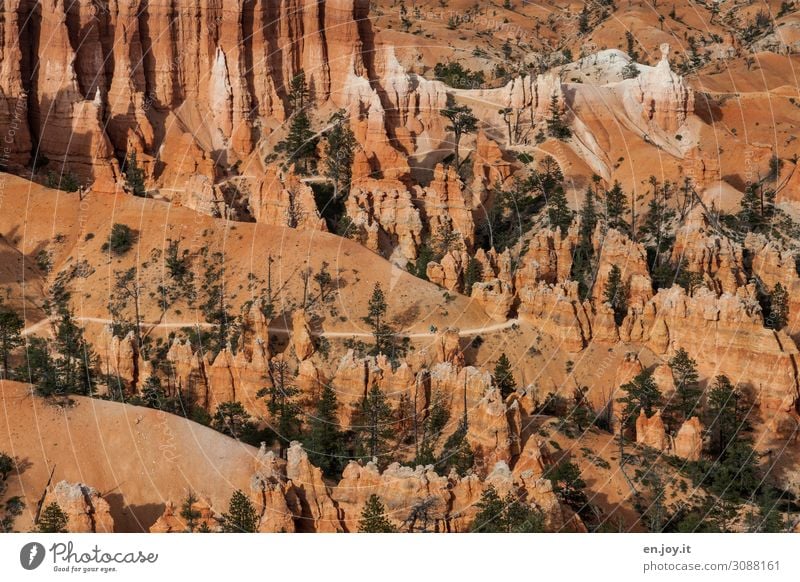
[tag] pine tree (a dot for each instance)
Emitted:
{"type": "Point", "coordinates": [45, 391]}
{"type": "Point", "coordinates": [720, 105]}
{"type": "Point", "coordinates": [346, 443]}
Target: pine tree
{"type": "Point", "coordinates": [569, 486]}
{"type": "Point", "coordinates": [457, 453]}
{"type": "Point", "coordinates": [489, 518]}
{"type": "Point", "coordinates": [339, 154]}
{"type": "Point", "coordinates": [558, 211]}
{"type": "Point", "coordinates": [298, 92]}
{"type": "Point", "coordinates": [503, 377]}
{"type": "Point", "coordinates": [52, 519]}
{"type": "Point", "coordinates": [373, 517]}
{"type": "Point", "coordinates": [582, 261]}
{"type": "Point", "coordinates": [686, 401]}
{"type": "Point", "coordinates": [556, 127]}
{"type": "Point", "coordinates": [583, 20]}
{"type": "Point", "coordinates": [778, 307]}
{"type": "Point", "coordinates": [11, 325]}
{"type": "Point", "coordinates": [641, 393]}
{"type": "Point", "coordinates": [134, 176]}
{"type": "Point", "coordinates": [462, 122]}
{"type": "Point", "coordinates": [189, 514]}
{"type": "Point", "coordinates": [282, 402]}
{"type": "Point", "coordinates": [241, 516]}
{"type": "Point", "coordinates": [617, 208]}
{"type": "Point", "coordinates": [373, 425]}
{"type": "Point", "coordinates": [76, 362]}
{"type": "Point", "coordinates": [507, 515]}
{"type": "Point", "coordinates": [324, 438]}
{"type": "Point", "coordinates": [581, 413]}
{"type": "Point", "coordinates": [472, 274]}
{"type": "Point", "coordinates": [300, 145]}
{"type": "Point", "coordinates": [232, 419]}
{"type": "Point", "coordinates": [376, 318]}
{"type": "Point", "coordinates": [39, 367]}
{"type": "Point", "coordinates": [615, 294]}
{"type": "Point", "coordinates": [724, 416]}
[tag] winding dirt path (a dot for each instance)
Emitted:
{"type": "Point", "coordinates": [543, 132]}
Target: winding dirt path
{"type": "Point", "coordinates": [39, 325]}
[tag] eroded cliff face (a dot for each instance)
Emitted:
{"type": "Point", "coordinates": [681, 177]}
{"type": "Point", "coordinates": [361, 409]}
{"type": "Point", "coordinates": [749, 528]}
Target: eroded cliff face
{"type": "Point", "coordinates": [93, 81]}
{"type": "Point", "coordinates": [291, 496]}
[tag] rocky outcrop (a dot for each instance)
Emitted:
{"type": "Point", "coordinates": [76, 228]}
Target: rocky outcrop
{"type": "Point", "coordinates": [774, 265]}
{"type": "Point", "coordinates": [13, 96]}
{"type": "Point", "coordinates": [650, 432]}
{"type": "Point", "coordinates": [400, 489]}
{"type": "Point", "coordinates": [68, 122]}
{"type": "Point", "coordinates": [616, 249]}
{"type": "Point", "coordinates": [171, 521]}
{"type": "Point", "coordinates": [87, 511]}
{"type": "Point", "coordinates": [281, 199]}
{"type": "Point", "coordinates": [385, 217]}
{"type": "Point", "coordinates": [725, 335]}
{"type": "Point", "coordinates": [527, 100]}
{"type": "Point", "coordinates": [558, 312]}
{"type": "Point", "coordinates": [302, 342]}
{"type": "Point", "coordinates": [688, 442]}
{"type": "Point", "coordinates": [318, 509]}
{"type": "Point", "coordinates": [496, 297]}
{"type": "Point", "coordinates": [703, 251]}
{"type": "Point", "coordinates": [665, 101]}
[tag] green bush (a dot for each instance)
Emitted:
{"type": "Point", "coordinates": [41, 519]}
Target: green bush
{"type": "Point", "coordinates": [121, 239]}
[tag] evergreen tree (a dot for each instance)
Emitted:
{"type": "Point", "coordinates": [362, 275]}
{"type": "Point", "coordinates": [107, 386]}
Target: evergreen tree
{"type": "Point", "coordinates": [76, 361]}
{"type": "Point", "coordinates": [457, 453]}
{"type": "Point", "coordinates": [324, 438]}
{"type": "Point", "coordinates": [462, 122]}
{"type": "Point", "coordinates": [583, 20]}
{"type": "Point", "coordinates": [339, 154]}
{"type": "Point", "coordinates": [725, 419]}
{"type": "Point", "coordinates": [134, 176]}
{"type": "Point", "coordinates": [569, 486]}
{"type": "Point", "coordinates": [300, 145]}
{"type": "Point", "coordinates": [12, 507]}
{"type": "Point", "coordinates": [7, 465]}
{"type": "Point", "coordinates": [52, 519]}
{"type": "Point", "coordinates": [373, 517]}
{"type": "Point", "coordinates": [768, 517]}
{"type": "Point", "coordinates": [472, 274]}
{"type": "Point", "coordinates": [503, 377]}
{"type": "Point", "coordinates": [583, 257]}
{"type": "Point", "coordinates": [686, 401]}
{"type": "Point", "coordinates": [241, 516]}
{"type": "Point", "coordinates": [376, 318]}
{"type": "Point", "coordinates": [558, 211]}
{"type": "Point", "coordinates": [373, 425]}
{"type": "Point", "coordinates": [508, 515]}
{"type": "Point", "coordinates": [189, 514]}
{"type": "Point", "coordinates": [581, 413]}
{"type": "Point", "coordinates": [658, 221]}
{"type": "Point", "coordinates": [39, 368]}
{"type": "Point", "coordinates": [282, 402]}
{"type": "Point", "coordinates": [778, 307]}
{"type": "Point", "coordinates": [298, 92]}
{"type": "Point", "coordinates": [641, 393]}
{"type": "Point", "coordinates": [232, 419]}
{"type": "Point", "coordinates": [617, 208]}
{"type": "Point", "coordinates": [556, 126]}
{"type": "Point", "coordinates": [757, 207]}
{"type": "Point", "coordinates": [11, 326]}
{"type": "Point", "coordinates": [615, 294]}
{"type": "Point", "coordinates": [324, 280]}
